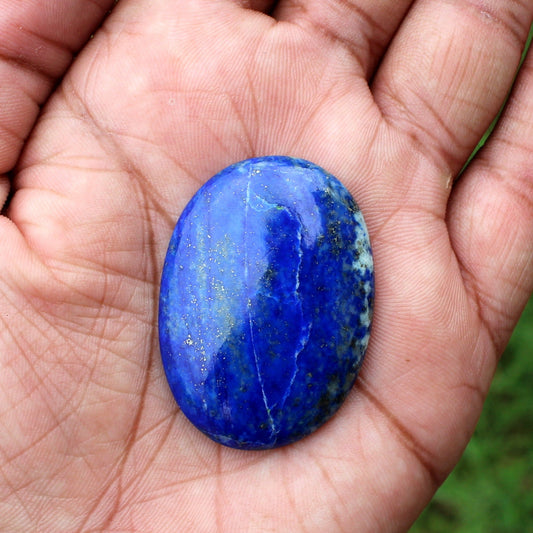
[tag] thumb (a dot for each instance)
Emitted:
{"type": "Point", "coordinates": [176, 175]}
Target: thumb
{"type": "Point", "coordinates": [36, 48]}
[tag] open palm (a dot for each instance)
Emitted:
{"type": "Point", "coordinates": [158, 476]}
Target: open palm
{"type": "Point", "coordinates": [165, 95]}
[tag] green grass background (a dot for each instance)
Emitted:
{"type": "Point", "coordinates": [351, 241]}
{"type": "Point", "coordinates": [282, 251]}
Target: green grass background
{"type": "Point", "coordinates": [491, 489]}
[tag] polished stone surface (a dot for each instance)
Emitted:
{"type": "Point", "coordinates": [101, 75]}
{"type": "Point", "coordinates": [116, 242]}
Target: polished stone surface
{"type": "Point", "coordinates": [266, 302]}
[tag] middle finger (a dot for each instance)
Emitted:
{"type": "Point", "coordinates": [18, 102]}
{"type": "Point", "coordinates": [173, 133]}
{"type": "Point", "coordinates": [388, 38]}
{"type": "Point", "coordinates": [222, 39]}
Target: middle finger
{"type": "Point", "coordinates": [363, 27]}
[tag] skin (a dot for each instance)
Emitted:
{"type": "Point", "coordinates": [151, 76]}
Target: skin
{"type": "Point", "coordinates": [391, 97]}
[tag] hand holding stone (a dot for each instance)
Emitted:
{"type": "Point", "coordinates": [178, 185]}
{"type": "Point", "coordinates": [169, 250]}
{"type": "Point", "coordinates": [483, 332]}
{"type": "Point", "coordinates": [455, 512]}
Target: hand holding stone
{"type": "Point", "coordinates": [390, 97]}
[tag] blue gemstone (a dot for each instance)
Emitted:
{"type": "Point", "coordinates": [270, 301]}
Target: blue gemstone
{"type": "Point", "coordinates": [266, 302]}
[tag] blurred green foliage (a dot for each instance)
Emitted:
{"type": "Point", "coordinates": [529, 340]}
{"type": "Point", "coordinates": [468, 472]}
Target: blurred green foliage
{"type": "Point", "coordinates": [491, 489]}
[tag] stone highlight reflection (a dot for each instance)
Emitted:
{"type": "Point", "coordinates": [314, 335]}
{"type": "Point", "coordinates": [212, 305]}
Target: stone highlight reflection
{"type": "Point", "coordinates": [266, 302]}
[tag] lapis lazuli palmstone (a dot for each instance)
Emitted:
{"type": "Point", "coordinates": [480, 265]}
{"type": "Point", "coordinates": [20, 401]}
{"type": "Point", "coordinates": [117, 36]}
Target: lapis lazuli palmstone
{"type": "Point", "coordinates": [266, 302]}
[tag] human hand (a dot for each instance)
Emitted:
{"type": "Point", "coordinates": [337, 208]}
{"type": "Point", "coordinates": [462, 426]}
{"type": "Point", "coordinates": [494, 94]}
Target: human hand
{"type": "Point", "coordinates": [163, 97]}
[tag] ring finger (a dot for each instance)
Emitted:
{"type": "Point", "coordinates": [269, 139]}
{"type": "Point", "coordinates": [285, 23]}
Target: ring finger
{"type": "Point", "coordinates": [448, 71]}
